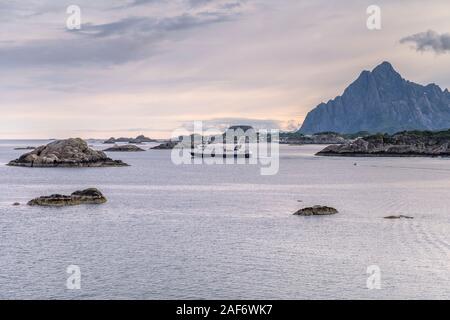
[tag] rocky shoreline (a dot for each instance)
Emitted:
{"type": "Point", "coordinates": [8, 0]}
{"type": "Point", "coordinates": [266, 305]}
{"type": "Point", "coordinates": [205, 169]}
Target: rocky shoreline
{"type": "Point", "coordinates": [402, 144]}
{"type": "Point", "coordinates": [319, 138]}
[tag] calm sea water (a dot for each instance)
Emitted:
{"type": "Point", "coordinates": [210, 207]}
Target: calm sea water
{"type": "Point", "coordinates": [222, 232]}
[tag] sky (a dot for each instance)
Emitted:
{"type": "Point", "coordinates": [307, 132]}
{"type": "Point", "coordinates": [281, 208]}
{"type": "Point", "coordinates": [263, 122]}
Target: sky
{"type": "Point", "coordinates": [153, 66]}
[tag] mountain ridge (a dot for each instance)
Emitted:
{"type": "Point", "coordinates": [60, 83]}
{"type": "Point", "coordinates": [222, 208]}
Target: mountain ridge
{"type": "Point", "coordinates": [381, 100]}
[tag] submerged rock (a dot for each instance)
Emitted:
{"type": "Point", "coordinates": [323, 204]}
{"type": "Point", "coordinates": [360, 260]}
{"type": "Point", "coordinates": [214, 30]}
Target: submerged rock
{"type": "Point", "coordinates": [124, 148]}
{"type": "Point", "coordinates": [316, 211]}
{"type": "Point", "coordinates": [88, 196]}
{"type": "Point", "coordinates": [72, 152]}
{"type": "Point", "coordinates": [399, 217]}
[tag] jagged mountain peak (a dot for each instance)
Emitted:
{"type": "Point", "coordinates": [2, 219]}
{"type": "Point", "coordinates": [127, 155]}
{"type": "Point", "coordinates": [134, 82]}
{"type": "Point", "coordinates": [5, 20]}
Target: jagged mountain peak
{"type": "Point", "coordinates": [384, 67]}
{"type": "Point", "coordinates": [382, 101]}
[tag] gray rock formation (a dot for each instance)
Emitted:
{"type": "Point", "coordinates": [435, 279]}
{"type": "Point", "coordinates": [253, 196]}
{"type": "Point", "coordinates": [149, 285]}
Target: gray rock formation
{"type": "Point", "coordinates": [399, 217]}
{"type": "Point", "coordinates": [111, 140]}
{"type": "Point", "coordinates": [72, 152]}
{"type": "Point", "coordinates": [141, 139]}
{"type": "Point", "coordinates": [124, 148]}
{"type": "Point", "coordinates": [168, 145]}
{"type": "Point", "coordinates": [382, 101]}
{"type": "Point", "coordinates": [25, 148]}
{"type": "Point", "coordinates": [88, 196]}
{"type": "Point", "coordinates": [403, 144]}
{"type": "Point", "coordinates": [316, 211]}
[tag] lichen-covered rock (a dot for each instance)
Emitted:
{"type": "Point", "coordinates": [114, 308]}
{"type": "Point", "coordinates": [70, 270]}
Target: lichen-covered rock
{"type": "Point", "coordinates": [316, 211]}
{"type": "Point", "coordinates": [72, 152]}
{"type": "Point", "coordinates": [88, 196]}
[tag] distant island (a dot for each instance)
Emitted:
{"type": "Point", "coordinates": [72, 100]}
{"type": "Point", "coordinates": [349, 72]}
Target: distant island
{"type": "Point", "coordinates": [73, 152]}
{"type": "Point", "coordinates": [138, 139]}
{"type": "Point", "coordinates": [402, 144]}
{"type": "Point", "coordinates": [297, 138]}
{"type": "Point", "coordinates": [382, 101]}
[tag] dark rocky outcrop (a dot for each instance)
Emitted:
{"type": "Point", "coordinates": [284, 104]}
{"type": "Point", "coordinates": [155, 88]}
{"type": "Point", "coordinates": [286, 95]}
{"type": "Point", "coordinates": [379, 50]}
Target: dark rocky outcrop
{"type": "Point", "coordinates": [402, 144]}
{"type": "Point", "coordinates": [382, 101]}
{"type": "Point", "coordinates": [88, 196]}
{"type": "Point", "coordinates": [111, 140]}
{"type": "Point", "coordinates": [168, 145]}
{"type": "Point", "coordinates": [141, 139]}
{"type": "Point", "coordinates": [316, 211]}
{"type": "Point", "coordinates": [25, 148]}
{"type": "Point", "coordinates": [399, 217]}
{"type": "Point", "coordinates": [72, 152]}
{"type": "Point", "coordinates": [124, 148]}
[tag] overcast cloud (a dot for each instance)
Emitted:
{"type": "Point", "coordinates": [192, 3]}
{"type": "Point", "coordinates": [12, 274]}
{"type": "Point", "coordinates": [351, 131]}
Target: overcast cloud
{"type": "Point", "coordinates": [151, 66]}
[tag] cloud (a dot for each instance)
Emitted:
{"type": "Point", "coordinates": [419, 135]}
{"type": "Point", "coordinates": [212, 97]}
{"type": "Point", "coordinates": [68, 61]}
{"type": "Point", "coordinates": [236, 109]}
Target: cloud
{"type": "Point", "coordinates": [189, 3]}
{"type": "Point", "coordinates": [144, 26]}
{"type": "Point", "coordinates": [137, 37]}
{"type": "Point", "coordinates": [72, 53]}
{"type": "Point", "coordinates": [429, 41]}
{"type": "Point", "coordinates": [142, 2]}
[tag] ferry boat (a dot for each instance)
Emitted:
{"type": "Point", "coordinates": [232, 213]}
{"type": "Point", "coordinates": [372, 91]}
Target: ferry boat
{"type": "Point", "coordinates": [221, 151]}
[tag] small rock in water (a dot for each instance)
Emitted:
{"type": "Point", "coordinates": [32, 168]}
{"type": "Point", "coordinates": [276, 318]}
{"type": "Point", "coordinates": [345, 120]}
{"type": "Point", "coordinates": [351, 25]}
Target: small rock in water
{"type": "Point", "coordinates": [316, 211]}
{"type": "Point", "coordinates": [167, 145]}
{"type": "Point", "coordinates": [88, 196]}
{"type": "Point", "coordinates": [16, 204]}
{"type": "Point", "coordinates": [399, 217]}
{"type": "Point", "coordinates": [65, 153]}
{"type": "Point", "coordinates": [124, 148]}
{"type": "Point", "coordinates": [25, 148]}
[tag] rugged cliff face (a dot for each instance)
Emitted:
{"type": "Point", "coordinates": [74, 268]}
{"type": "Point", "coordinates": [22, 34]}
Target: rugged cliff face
{"type": "Point", "coordinates": [382, 101]}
